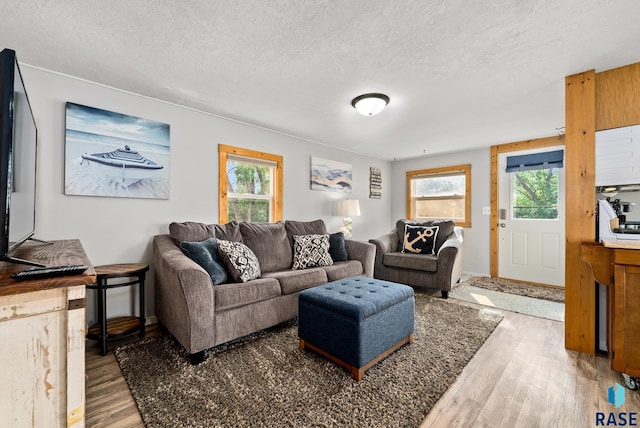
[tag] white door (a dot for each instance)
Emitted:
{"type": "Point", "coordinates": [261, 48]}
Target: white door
{"type": "Point", "coordinates": [531, 216]}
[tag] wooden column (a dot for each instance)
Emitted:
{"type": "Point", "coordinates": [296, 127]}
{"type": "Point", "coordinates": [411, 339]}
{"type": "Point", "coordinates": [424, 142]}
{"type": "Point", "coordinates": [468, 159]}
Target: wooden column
{"type": "Point", "coordinates": [580, 290]}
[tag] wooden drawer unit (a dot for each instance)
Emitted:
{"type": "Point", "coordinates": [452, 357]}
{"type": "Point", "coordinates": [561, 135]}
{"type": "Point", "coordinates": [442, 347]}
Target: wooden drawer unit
{"type": "Point", "coordinates": [617, 265]}
{"type": "Point", "coordinates": [626, 320]}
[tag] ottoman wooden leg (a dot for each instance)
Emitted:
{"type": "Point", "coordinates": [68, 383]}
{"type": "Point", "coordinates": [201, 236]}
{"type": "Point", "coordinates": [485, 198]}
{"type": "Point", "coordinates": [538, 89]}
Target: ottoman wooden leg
{"type": "Point", "coordinates": [357, 373]}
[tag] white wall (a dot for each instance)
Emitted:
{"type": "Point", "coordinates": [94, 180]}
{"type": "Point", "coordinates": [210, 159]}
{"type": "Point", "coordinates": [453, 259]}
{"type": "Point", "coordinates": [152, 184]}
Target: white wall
{"type": "Point", "coordinates": [120, 230]}
{"type": "Point", "coordinates": [476, 248]}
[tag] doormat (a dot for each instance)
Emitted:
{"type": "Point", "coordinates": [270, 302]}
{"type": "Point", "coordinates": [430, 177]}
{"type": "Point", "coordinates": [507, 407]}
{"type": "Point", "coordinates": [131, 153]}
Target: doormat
{"type": "Point", "coordinates": [509, 302]}
{"type": "Point", "coordinates": [520, 288]}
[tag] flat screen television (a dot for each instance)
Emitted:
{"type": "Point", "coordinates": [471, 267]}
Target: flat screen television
{"type": "Point", "coordinates": [18, 149]}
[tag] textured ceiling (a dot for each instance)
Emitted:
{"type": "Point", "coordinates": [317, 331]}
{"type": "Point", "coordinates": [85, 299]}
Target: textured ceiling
{"type": "Point", "coordinates": [460, 74]}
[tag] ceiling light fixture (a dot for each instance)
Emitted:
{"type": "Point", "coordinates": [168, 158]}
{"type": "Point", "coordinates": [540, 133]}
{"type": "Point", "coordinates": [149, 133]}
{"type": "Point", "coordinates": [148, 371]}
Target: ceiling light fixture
{"type": "Point", "coordinates": [370, 104]}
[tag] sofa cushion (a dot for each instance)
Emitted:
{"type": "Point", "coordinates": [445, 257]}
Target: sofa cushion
{"type": "Point", "coordinates": [315, 227]}
{"type": "Point", "coordinates": [269, 243]}
{"type": "Point", "coordinates": [419, 239]}
{"type": "Point", "coordinates": [232, 295]}
{"type": "Point", "coordinates": [292, 281]}
{"type": "Point", "coordinates": [340, 270]}
{"type": "Point", "coordinates": [239, 260]}
{"type": "Point", "coordinates": [446, 228]}
{"type": "Point", "coordinates": [194, 232]}
{"type": "Point", "coordinates": [205, 253]}
{"type": "Point", "coordinates": [424, 262]}
{"type": "Point", "coordinates": [311, 251]}
{"type": "Point", "coordinates": [337, 249]}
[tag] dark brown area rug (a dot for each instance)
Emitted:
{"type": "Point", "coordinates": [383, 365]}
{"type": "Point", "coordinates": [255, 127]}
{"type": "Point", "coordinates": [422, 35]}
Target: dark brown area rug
{"type": "Point", "coordinates": [264, 380]}
{"type": "Point", "coordinates": [519, 288]}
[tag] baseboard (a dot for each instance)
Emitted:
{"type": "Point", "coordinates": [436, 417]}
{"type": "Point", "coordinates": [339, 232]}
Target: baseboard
{"type": "Point", "coordinates": [470, 274]}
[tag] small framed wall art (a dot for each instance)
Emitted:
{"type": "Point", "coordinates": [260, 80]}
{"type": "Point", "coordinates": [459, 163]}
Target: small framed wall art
{"type": "Point", "coordinates": [375, 183]}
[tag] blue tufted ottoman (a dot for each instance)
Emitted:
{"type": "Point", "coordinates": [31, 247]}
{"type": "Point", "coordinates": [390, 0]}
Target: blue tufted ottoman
{"type": "Point", "coordinates": [356, 321]}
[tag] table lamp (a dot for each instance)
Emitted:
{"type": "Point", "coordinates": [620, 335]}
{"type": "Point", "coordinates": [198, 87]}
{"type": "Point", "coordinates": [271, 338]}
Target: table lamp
{"type": "Point", "coordinates": [348, 208]}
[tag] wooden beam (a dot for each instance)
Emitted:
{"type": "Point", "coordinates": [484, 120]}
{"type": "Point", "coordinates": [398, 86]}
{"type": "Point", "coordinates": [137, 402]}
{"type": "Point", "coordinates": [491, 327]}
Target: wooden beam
{"type": "Point", "coordinates": [580, 290]}
{"type": "Point", "coordinates": [618, 97]}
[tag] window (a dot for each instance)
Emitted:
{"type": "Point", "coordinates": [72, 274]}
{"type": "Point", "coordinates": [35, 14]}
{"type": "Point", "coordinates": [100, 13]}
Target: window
{"type": "Point", "coordinates": [534, 185]}
{"type": "Point", "coordinates": [534, 194]}
{"type": "Point", "coordinates": [250, 185]}
{"type": "Point", "coordinates": [440, 193]}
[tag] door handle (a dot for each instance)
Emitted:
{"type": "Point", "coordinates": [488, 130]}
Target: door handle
{"type": "Point", "coordinates": [503, 225]}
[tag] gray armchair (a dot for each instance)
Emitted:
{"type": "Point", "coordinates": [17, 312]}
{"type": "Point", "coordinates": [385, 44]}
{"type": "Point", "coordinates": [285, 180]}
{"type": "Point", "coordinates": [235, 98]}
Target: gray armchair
{"type": "Point", "coordinates": [439, 271]}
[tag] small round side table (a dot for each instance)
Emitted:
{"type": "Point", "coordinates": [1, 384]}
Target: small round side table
{"type": "Point", "coordinates": [107, 329]}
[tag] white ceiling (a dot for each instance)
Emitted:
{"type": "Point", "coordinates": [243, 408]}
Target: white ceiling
{"type": "Point", "coordinates": [460, 74]}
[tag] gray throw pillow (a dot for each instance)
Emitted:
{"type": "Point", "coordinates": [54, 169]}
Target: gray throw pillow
{"type": "Point", "coordinates": [269, 243]}
{"type": "Point", "coordinates": [311, 251]}
{"type": "Point", "coordinates": [337, 248]}
{"type": "Point", "coordinates": [205, 253]}
{"type": "Point", "coordinates": [239, 260]}
{"type": "Point", "coordinates": [192, 231]}
{"type": "Point", "coordinates": [314, 227]}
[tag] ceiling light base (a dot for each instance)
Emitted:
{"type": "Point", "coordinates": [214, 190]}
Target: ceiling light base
{"type": "Point", "coordinates": [370, 104]}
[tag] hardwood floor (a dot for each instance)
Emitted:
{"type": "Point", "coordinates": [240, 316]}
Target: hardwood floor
{"type": "Point", "coordinates": [108, 401]}
{"type": "Point", "coordinates": [524, 377]}
{"type": "Point", "coordinates": [521, 377]}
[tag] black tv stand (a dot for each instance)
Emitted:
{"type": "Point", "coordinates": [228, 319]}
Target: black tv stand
{"type": "Point", "coordinates": [26, 262]}
{"type": "Point", "coordinates": [40, 241]}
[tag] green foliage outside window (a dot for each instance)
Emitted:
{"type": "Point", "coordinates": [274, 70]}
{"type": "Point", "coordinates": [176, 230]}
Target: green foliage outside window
{"type": "Point", "coordinates": [535, 194]}
{"type": "Point", "coordinates": [249, 188]}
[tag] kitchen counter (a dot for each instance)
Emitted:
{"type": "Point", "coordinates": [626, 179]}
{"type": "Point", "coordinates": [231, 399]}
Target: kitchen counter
{"type": "Point", "coordinates": [628, 244]}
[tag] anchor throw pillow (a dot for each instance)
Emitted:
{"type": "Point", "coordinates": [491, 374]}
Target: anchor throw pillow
{"type": "Point", "coordinates": [419, 239]}
{"type": "Point", "coordinates": [311, 251]}
{"type": "Point", "coordinates": [239, 260]}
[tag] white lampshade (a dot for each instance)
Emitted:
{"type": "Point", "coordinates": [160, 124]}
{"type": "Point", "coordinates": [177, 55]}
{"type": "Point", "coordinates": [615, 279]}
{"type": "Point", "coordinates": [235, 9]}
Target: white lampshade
{"type": "Point", "coordinates": [349, 207]}
{"type": "Point", "coordinates": [370, 104]}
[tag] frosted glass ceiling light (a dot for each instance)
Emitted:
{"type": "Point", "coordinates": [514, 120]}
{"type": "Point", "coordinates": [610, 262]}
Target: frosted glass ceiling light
{"type": "Point", "coordinates": [370, 104]}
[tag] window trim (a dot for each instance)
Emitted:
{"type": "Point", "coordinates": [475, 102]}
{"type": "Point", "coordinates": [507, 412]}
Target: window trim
{"type": "Point", "coordinates": [224, 152]}
{"type": "Point", "coordinates": [442, 171]}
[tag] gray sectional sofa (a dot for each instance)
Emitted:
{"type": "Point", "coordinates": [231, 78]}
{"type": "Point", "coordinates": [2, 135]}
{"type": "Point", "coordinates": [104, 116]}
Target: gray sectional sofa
{"type": "Point", "coordinates": [201, 315]}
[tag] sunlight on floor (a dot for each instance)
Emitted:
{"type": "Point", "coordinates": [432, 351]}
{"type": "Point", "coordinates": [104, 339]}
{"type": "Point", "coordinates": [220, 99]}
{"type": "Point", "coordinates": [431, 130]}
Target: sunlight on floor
{"type": "Point", "coordinates": [483, 300]}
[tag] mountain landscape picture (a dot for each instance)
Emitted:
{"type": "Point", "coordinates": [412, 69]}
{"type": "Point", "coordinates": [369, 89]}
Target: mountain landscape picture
{"type": "Point", "coordinates": [329, 175]}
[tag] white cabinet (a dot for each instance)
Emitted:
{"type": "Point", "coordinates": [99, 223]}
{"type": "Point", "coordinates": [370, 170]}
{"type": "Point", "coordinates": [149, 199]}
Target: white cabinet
{"type": "Point", "coordinates": [42, 338]}
{"type": "Point", "coordinates": [618, 156]}
{"type": "Point", "coordinates": [42, 357]}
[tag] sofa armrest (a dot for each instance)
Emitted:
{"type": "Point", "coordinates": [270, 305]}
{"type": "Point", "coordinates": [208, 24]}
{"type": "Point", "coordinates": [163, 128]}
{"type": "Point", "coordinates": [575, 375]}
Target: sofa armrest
{"type": "Point", "coordinates": [364, 252]}
{"type": "Point", "coordinates": [387, 243]}
{"type": "Point", "coordinates": [450, 259]}
{"type": "Point", "coordinates": [184, 296]}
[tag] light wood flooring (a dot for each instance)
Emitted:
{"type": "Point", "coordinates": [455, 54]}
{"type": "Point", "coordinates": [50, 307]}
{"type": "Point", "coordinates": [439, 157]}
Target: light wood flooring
{"type": "Point", "coordinates": [521, 377]}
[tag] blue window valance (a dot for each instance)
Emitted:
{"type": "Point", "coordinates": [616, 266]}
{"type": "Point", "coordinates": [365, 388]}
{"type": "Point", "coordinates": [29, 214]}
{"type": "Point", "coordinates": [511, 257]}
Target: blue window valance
{"type": "Point", "coordinates": [546, 160]}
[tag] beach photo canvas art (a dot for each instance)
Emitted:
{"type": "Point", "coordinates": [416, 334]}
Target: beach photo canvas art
{"type": "Point", "coordinates": [329, 175]}
{"type": "Point", "coordinates": [114, 154]}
